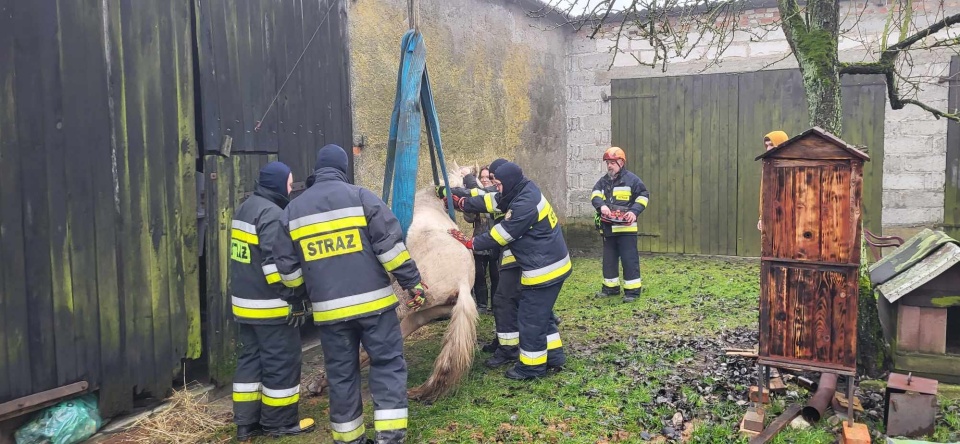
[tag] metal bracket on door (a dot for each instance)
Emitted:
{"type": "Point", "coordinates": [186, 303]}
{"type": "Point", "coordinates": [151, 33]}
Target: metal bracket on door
{"type": "Point", "coordinates": [606, 98]}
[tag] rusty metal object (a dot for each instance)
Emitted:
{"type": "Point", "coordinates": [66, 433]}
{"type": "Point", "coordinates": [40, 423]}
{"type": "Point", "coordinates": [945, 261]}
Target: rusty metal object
{"type": "Point", "coordinates": [37, 401]}
{"type": "Point", "coordinates": [910, 405]}
{"type": "Point", "coordinates": [818, 404]}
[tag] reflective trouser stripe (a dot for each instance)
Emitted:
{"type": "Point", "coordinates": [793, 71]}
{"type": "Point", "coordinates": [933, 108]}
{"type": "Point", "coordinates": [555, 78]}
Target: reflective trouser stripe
{"type": "Point", "coordinates": [612, 283]}
{"type": "Point", "coordinates": [392, 419]}
{"type": "Point", "coordinates": [348, 431]}
{"type": "Point", "coordinates": [533, 358]}
{"type": "Point", "coordinates": [632, 284]}
{"type": "Point", "coordinates": [259, 309]}
{"type": "Point", "coordinates": [246, 391]}
{"type": "Point", "coordinates": [546, 274]}
{"type": "Point", "coordinates": [352, 306]}
{"type": "Point", "coordinates": [553, 341]}
{"type": "Point", "coordinates": [280, 398]}
{"type": "Point", "coordinates": [512, 338]}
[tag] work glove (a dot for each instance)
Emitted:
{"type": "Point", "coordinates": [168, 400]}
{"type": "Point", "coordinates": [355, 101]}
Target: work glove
{"type": "Point", "coordinates": [441, 191]}
{"type": "Point", "coordinates": [461, 238]}
{"type": "Point", "coordinates": [299, 311]}
{"type": "Point", "coordinates": [417, 298]}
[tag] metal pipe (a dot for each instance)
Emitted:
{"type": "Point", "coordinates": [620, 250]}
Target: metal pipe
{"type": "Point", "coordinates": [820, 400]}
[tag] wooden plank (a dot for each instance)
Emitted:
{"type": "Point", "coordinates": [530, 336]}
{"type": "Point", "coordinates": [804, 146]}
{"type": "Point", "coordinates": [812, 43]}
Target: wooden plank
{"type": "Point", "coordinates": [933, 330]}
{"type": "Point", "coordinates": [137, 277]}
{"type": "Point", "coordinates": [951, 200]}
{"type": "Point", "coordinates": [845, 323]}
{"type": "Point", "coordinates": [804, 327]}
{"type": "Point", "coordinates": [645, 125]}
{"type": "Point", "coordinates": [115, 311]}
{"type": "Point", "coordinates": [782, 226]}
{"type": "Point", "coordinates": [730, 110]}
{"type": "Point", "coordinates": [84, 128]}
{"type": "Point", "coordinates": [811, 147]}
{"type": "Point", "coordinates": [38, 400]}
{"type": "Point", "coordinates": [15, 375]}
{"type": "Point", "coordinates": [693, 148]}
{"type": "Point", "coordinates": [209, 87]}
{"type": "Point", "coordinates": [836, 239]}
{"type": "Point", "coordinates": [747, 181]}
{"type": "Point", "coordinates": [777, 425]}
{"type": "Point", "coordinates": [779, 295]}
{"type": "Point", "coordinates": [30, 78]}
{"type": "Point", "coordinates": [189, 254]}
{"type": "Point", "coordinates": [856, 216]}
{"type": "Point", "coordinates": [652, 159]}
{"type": "Point", "coordinates": [661, 153]}
{"type": "Point", "coordinates": [228, 86]}
{"type": "Point", "coordinates": [831, 284]}
{"type": "Point", "coordinates": [864, 111]}
{"type": "Point", "coordinates": [768, 294]}
{"type": "Point", "coordinates": [239, 16]}
{"type": "Point", "coordinates": [286, 51]}
{"type": "Point", "coordinates": [272, 77]}
{"type": "Point", "coordinates": [928, 364]}
{"type": "Point", "coordinates": [807, 198]}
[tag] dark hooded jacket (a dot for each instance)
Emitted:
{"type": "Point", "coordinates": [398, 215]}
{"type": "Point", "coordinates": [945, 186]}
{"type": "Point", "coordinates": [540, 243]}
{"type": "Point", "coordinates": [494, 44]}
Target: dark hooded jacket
{"type": "Point", "coordinates": [344, 242]}
{"type": "Point", "coordinates": [256, 292]}
{"type": "Point", "coordinates": [529, 228]}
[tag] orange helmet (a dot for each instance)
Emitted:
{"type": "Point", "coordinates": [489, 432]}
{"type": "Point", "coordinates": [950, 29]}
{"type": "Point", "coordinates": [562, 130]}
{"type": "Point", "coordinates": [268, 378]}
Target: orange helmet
{"type": "Point", "coordinates": [614, 153]}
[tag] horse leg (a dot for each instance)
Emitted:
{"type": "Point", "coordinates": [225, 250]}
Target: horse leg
{"type": "Point", "coordinates": [410, 324]}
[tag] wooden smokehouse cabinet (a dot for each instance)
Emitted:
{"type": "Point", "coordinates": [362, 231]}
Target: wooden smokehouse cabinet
{"type": "Point", "coordinates": [811, 192]}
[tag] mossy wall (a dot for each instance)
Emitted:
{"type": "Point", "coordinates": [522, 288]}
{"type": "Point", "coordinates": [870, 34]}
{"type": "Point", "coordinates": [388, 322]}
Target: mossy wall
{"type": "Point", "coordinates": [497, 77]}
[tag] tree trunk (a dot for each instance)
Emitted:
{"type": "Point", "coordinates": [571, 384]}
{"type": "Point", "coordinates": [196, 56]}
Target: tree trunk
{"type": "Point", "coordinates": [813, 35]}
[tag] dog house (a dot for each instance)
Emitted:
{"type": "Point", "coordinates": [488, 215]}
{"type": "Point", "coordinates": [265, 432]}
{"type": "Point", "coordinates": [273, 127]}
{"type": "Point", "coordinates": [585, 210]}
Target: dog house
{"type": "Point", "coordinates": [919, 304]}
{"type": "Point", "coordinates": [810, 244]}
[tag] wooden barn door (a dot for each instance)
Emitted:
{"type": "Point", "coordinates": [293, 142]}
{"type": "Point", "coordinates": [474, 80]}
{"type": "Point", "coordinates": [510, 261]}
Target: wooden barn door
{"type": "Point", "coordinates": [951, 198]}
{"type": "Point", "coordinates": [693, 141]}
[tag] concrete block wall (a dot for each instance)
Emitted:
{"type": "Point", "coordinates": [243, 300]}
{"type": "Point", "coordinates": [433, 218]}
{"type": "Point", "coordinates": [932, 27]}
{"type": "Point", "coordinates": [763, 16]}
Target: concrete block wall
{"type": "Point", "coordinates": [914, 144]}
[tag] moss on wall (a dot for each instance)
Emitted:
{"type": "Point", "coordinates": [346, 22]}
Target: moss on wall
{"type": "Point", "coordinates": [488, 70]}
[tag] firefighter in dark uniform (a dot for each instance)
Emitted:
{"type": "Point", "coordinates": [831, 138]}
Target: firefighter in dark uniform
{"type": "Point", "coordinates": [345, 241]}
{"type": "Point", "coordinates": [266, 385]}
{"type": "Point", "coordinates": [507, 295]}
{"type": "Point", "coordinates": [620, 190]}
{"type": "Point", "coordinates": [531, 232]}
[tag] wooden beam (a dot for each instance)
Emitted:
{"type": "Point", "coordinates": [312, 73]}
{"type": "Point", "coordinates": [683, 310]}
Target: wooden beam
{"type": "Point", "coordinates": [36, 401]}
{"type": "Point", "coordinates": [777, 425]}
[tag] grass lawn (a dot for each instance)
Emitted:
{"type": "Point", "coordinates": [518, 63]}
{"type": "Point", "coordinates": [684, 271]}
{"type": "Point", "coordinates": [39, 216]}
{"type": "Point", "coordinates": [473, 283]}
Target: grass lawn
{"type": "Point", "coordinates": [631, 369]}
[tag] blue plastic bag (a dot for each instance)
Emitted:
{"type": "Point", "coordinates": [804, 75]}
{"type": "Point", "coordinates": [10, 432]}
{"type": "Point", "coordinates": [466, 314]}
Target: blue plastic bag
{"type": "Point", "coordinates": [68, 422]}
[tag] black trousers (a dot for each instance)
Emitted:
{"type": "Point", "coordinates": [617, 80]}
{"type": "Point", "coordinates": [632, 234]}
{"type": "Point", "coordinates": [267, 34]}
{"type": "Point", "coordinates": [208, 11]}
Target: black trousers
{"type": "Point", "coordinates": [540, 345]}
{"type": "Point", "coordinates": [505, 301]}
{"type": "Point", "coordinates": [482, 264]}
{"type": "Point", "coordinates": [266, 385]}
{"type": "Point", "coordinates": [617, 250]}
{"type": "Point", "coordinates": [380, 337]}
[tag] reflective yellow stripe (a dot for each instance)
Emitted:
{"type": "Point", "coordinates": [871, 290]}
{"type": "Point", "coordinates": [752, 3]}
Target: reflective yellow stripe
{"type": "Point", "coordinates": [273, 278]}
{"type": "Point", "coordinates": [294, 283]}
{"type": "Point", "coordinates": [261, 313]}
{"type": "Point", "coordinates": [553, 341]}
{"type": "Point", "coordinates": [612, 283]}
{"type": "Point", "coordinates": [547, 273]}
{"type": "Point", "coordinates": [533, 358]}
{"type": "Point", "coordinates": [351, 435]}
{"type": "Point", "coordinates": [643, 200]}
{"type": "Point", "coordinates": [390, 424]}
{"type": "Point", "coordinates": [396, 262]}
{"type": "Point", "coordinates": [246, 396]}
{"type": "Point", "coordinates": [490, 202]}
{"type": "Point", "coordinates": [507, 260]}
{"type": "Point", "coordinates": [632, 284]}
{"type": "Point", "coordinates": [337, 308]}
{"type": "Point", "coordinates": [632, 228]}
{"type": "Point", "coordinates": [326, 227]}
{"type": "Point", "coordinates": [280, 402]}
{"type": "Point", "coordinates": [499, 234]}
{"type": "Point", "coordinates": [280, 398]}
{"type": "Point", "coordinates": [512, 338]}
{"type": "Point", "coordinates": [597, 193]}
{"type": "Point", "coordinates": [244, 236]}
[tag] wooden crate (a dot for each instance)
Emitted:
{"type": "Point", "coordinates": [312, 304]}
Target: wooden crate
{"type": "Point", "coordinates": [810, 243]}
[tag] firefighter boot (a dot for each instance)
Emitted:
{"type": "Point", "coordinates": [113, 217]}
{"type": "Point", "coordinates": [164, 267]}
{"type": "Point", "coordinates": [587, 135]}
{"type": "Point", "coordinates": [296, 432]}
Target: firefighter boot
{"type": "Point", "coordinates": [503, 355]}
{"type": "Point", "coordinates": [248, 432]}
{"type": "Point", "coordinates": [305, 425]}
{"type": "Point", "coordinates": [391, 436]}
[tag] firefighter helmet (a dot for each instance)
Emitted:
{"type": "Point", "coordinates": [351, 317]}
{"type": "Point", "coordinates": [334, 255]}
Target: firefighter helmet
{"type": "Point", "coordinates": [614, 153]}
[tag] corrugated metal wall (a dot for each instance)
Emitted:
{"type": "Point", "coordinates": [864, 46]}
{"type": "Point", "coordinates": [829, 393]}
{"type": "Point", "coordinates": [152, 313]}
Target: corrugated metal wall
{"type": "Point", "coordinates": [98, 250]}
